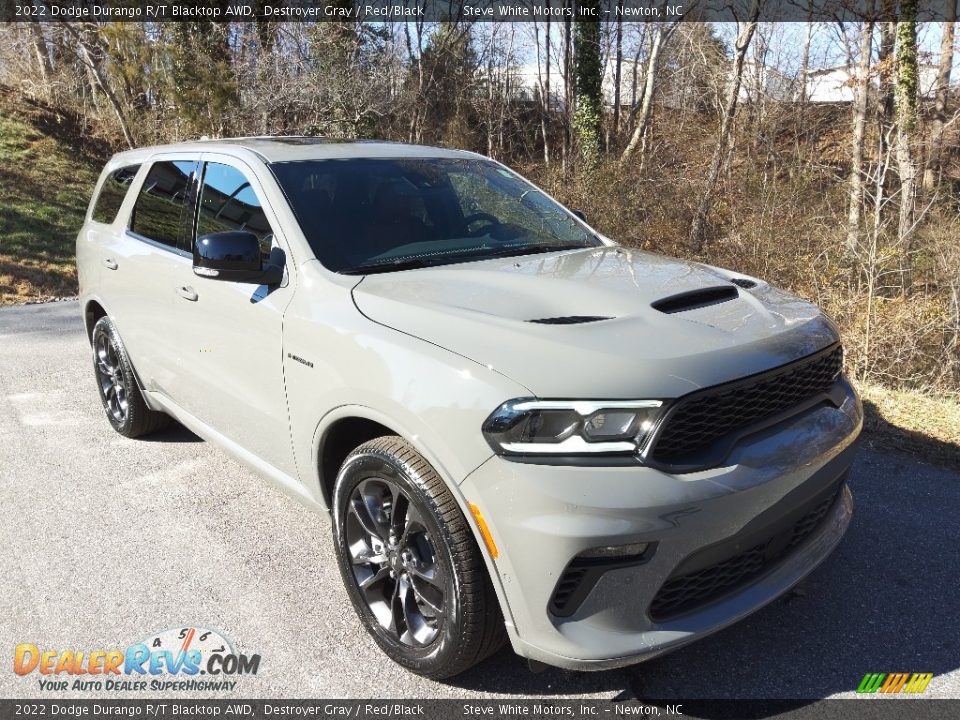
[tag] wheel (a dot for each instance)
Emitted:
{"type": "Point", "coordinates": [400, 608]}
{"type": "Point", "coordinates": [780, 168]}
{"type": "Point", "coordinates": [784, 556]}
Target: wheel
{"type": "Point", "coordinates": [122, 401]}
{"type": "Point", "coordinates": [410, 563]}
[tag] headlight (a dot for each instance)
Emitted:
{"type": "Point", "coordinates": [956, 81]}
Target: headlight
{"type": "Point", "coordinates": [571, 427]}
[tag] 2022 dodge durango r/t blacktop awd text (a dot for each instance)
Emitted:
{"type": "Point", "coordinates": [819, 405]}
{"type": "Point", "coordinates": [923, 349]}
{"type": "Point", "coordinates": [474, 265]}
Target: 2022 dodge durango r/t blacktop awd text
{"type": "Point", "coordinates": [521, 431]}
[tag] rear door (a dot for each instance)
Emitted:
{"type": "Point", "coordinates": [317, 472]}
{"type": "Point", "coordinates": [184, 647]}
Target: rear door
{"type": "Point", "coordinates": [231, 355]}
{"type": "Point", "coordinates": [142, 262]}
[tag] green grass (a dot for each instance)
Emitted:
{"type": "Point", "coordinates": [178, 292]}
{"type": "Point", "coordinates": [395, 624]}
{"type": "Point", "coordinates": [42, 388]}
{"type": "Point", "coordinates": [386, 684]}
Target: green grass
{"type": "Point", "coordinates": [45, 186]}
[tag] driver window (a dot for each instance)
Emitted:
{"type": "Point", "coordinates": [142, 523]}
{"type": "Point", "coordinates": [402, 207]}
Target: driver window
{"type": "Point", "coordinates": [228, 202]}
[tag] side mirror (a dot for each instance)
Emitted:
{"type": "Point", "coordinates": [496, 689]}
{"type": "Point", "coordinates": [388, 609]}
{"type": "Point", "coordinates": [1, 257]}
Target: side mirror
{"type": "Point", "coordinates": [235, 256]}
{"type": "Point", "coordinates": [579, 214]}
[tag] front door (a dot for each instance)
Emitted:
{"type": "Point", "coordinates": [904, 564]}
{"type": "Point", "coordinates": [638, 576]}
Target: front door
{"type": "Point", "coordinates": [230, 372]}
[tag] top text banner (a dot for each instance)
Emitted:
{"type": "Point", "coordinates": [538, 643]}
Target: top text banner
{"type": "Point", "coordinates": [461, 10]}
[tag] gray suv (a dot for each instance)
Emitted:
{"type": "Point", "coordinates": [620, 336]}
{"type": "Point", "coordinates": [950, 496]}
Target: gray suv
{"type": "Point", "coordinates": [520, 430]}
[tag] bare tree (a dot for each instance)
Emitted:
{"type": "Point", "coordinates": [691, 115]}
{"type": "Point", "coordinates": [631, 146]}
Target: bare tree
{"type": "Point", "coordinates": [91, 58]}
{"type": "Point", "coordinates": [659, 35]}
{"type": "Point", "coordinates": [862, 90]}
{"type": "Point", "coordinates": [39, 46]}
{"type": "Point", "coordinates": [805, 59]}
{"type": "Point", "coordinates": [567, 83]}
{"type": "Point", "coordinates": [543, 83]}
{"type": "Point", "coordinates": [935, 157]}
{"type": "Point", "coordinates": [617, 69]}
{"type": "Point", "coordinates": [696, 236]}
{"type": "Point", "coordinates": [906, 106]}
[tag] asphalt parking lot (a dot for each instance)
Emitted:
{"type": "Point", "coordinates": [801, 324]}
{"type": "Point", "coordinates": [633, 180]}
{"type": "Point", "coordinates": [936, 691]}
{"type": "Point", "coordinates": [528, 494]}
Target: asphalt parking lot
{"type": "Point", "coordinates": [107, 540]}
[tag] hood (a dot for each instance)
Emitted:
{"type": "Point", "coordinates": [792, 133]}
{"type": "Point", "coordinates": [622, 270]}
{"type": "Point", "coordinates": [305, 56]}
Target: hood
{"type": "Point", "coordinates": [602, 323]}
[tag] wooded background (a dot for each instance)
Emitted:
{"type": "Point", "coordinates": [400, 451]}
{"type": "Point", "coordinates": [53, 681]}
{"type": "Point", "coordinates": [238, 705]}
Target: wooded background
{"type": "Point", "coordinates": [704, 140]}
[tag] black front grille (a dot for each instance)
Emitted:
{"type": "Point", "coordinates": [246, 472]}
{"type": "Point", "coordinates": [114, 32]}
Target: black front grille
{"type": "Point", "coordinates": [700, 419]}
{"type": "Point", "coordinates": [688, 592]}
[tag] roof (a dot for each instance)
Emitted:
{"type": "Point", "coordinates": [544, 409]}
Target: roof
{"type": "Point", "coordinates": [283, 148]}
{"type": "Point", "coordinates": [848, 68]}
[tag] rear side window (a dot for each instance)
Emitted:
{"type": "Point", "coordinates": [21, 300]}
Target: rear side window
{"type": "Point", "coordinates": [228, 202]}
{"type": "Point", "coordinates": [113, 192]}
{"type": "Point", "coordinates": [158, 212]}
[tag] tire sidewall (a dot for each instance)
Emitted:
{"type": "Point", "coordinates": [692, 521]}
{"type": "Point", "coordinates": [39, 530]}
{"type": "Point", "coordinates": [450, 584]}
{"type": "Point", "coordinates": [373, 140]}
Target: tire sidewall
{"type": "Point", "coordinates": [105, 328]}
{"type": "Point", "coordinates": [366, 464]}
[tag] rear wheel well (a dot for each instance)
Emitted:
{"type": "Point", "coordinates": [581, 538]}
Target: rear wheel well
{"type": "Point", "coordinates": [339, 440]}
{"type": "Point", "coordinates": [93, 312]}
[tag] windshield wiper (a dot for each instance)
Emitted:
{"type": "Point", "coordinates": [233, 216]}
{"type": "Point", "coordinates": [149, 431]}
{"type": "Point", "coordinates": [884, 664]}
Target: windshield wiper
{"type": "Point", "coordinates": [471, 255]}
{"type": "Point", "coordinates": [531, 250]}
{"type": "Point", "coordinates": [389, 266]}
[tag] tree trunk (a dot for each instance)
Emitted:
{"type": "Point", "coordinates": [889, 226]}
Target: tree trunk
{"type": "Point", "coordinates": [634, 79]}
{"type": "Point", "coordinates": [859, 126]}
{"type": "Point", "coordinates": [907, 82]}
{"type": "Point", "coordinates": [544, 83]}
{"type": "Point", "coordinates": [696, 237]}
{"type": "Point", "coordinates": [490, 109]}
{"type": "Point", "coordinates": [617, 68]}
{"type": "Point", "coordinates": [931, 173]}
{"type": "Point", "coordinates": [567, 84]}
{"type": "Point", "coordinates": [39, 44]}
{"type": "Point", "coordinates": [588, 73]}
{"type": "Point", "coordinates": [646, 100]}
{"type": "Point", "coordinates": [805, 64]}
{"type": "Point", "coordinates": [885, 65]}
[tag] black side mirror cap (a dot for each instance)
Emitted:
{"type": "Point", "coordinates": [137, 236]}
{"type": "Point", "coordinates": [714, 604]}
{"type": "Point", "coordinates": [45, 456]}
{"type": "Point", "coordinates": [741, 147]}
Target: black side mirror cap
{"type": "Point", "coordinates": [579, 214]}
{"type": "Point", "coordinates": [235, 255]}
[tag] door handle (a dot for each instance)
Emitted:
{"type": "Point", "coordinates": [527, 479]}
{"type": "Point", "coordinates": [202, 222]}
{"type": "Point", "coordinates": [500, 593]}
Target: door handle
{"type": "Point", "coordinates": [110, 263]}
{"type": "Point", "coordinates": [187, 293]}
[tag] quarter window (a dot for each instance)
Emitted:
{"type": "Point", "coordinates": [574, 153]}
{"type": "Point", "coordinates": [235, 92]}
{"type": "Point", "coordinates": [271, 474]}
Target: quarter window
{"type": "Point", "coordinates": [113, 192]}
{"type": "Point", "coordinates": [228, 202]}
{"type": "Point", "coordinates": [158, 212]}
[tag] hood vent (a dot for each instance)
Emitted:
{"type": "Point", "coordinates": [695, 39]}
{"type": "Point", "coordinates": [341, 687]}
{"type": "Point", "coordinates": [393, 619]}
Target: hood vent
{"type": "Point", "coordinates": [693, 299]}
{"type": "Point", "coordinates": [745, 283]}
{"type": "Point", "coordinates": [570, 320]}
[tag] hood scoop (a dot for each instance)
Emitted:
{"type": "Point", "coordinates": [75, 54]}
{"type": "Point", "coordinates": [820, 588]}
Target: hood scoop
{"type": "Point", "coordinates": [570, 320]}
{"type": "Point", "coordinates": [745, 283]}
{"type": "Point", "coordinates": [693, 299]}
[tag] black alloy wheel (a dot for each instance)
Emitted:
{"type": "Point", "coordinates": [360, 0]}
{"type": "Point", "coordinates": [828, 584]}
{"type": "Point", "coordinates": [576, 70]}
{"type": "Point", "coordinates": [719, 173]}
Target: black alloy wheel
{"type": "Point", "coordinates": [410, 563]}
{"type": "Point", "coordinates": [120, 394]}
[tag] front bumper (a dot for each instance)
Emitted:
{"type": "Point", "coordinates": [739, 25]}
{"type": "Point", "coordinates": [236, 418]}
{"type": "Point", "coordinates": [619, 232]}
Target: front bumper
{"type": "Point", "coordinates": [543, 516]}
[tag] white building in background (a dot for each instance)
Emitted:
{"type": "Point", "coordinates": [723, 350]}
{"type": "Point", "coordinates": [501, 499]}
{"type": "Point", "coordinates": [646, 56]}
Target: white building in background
{"type": "Point", "coordinates": [836, 84]}
{"type": "Point", "coordinates": [759, 83]}
{"type": "Point", "coordinates": [832, 85]}
{"type": "Point", "coordinates": [526, 80]}
{"type": "Point", "coordinates": [763, 83]}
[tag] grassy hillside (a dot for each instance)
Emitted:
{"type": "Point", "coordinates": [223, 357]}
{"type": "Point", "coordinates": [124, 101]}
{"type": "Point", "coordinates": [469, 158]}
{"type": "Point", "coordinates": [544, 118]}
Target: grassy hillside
{"type": "Point", "coordinates": [46, 178]}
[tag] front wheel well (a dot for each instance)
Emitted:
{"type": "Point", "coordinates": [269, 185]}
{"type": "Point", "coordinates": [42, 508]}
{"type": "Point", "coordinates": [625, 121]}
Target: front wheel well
{"type": "Point", "coordinates": [339, 440]}
{"type": "Point", "coordinates": [91, 313]}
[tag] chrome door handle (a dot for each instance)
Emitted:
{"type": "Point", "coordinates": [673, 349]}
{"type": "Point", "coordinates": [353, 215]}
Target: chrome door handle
{"type": "Point", "coordinates": [110, 263]}
{"type": "Point", "coordinates": [187, 293]}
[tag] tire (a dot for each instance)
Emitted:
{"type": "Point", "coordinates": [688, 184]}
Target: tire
{"type": "Point", "coordinates": [393, 510]}
{"type": "Point", "coordinates": [119, 392]}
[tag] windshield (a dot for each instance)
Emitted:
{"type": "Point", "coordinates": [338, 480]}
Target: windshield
{"type": "Point", "coordinates": [367, 215]}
